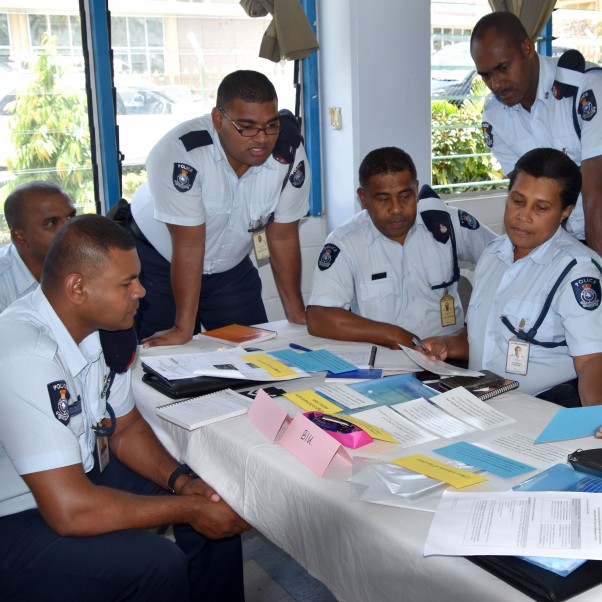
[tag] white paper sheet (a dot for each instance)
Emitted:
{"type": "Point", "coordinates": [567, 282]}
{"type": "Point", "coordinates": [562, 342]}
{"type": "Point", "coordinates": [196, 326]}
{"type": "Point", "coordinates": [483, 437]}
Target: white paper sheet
{"type": "Point", "coordinates": [343, 395]}
{"type": "Point", "coordinates": [467, 407]}
{"type": "Point", "coordinates": [403, 430]}
{"type": "Point", "coordinates": [544, 523]}
{"type": "Point", "coordinates": [430, 417]}
{"type": "Point", "coordinates": [224, 364]}
{"type": "Point", "coordinates": [437, 366]}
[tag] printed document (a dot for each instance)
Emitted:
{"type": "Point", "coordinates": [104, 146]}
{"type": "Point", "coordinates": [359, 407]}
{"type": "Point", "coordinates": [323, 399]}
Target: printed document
{"type": "Point", "coordinates": [559, 524]}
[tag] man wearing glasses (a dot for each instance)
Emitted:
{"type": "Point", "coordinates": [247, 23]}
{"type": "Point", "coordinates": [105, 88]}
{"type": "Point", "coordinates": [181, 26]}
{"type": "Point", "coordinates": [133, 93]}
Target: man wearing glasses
{"type": "Point", "coordinates": [217, 186]}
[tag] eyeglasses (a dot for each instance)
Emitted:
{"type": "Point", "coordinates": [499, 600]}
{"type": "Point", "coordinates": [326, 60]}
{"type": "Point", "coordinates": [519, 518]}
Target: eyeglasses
{"type": "Point", "coordinates": [249, 132]}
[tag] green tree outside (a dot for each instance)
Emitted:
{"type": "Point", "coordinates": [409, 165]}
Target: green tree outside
{"type": "Point", "coordinates": [49, 131]}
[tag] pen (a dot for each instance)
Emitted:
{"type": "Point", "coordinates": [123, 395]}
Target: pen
{"type": "Point", "coordinates": [298, 347]}
{"type": "Point", "coordinates": [419, 344]}
{"type": "Point", "coordinates": [372, 357]}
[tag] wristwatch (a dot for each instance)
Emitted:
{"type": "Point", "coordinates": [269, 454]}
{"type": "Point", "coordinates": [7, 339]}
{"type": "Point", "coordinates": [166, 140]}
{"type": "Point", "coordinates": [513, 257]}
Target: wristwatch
{"type": "Point", "coordinates": [179, 471]}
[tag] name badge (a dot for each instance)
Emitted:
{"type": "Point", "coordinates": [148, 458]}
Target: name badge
{"type": "Point", "coordinates": [447, 309]}
{"type": "Point", "coordinates": [517, 356]}
{"type": "Point", "coordinates": [260, 242]}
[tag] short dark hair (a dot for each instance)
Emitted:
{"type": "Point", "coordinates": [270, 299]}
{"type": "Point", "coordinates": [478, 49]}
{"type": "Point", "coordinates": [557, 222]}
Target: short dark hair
{"type": "Point", "coordinates": [552, 164]}
{"type": "Point", "coordinates": [505, 24]}
{"type": "Point", "coordinates": [388, 159]}
{"type": "Point", "coordinates": [15, 205]}
{"type": "Point", "coordinates": [249, 86]}
{"type": "Point", "coordinates": [82, 246]}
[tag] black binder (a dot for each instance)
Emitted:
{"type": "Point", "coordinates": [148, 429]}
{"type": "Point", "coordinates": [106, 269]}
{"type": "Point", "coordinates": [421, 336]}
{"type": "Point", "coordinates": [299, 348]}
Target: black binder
{"type": "Point", "coordinates": [538, 583]}
{"type": "Point", "coordinates": [193, 386]}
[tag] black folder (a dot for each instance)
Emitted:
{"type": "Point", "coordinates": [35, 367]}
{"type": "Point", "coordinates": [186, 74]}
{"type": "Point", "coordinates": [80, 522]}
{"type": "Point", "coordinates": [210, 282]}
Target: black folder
{"type": "Point", "coordinates": [193, 386]}
{"type": "Point", "coordinates": [538, 583]}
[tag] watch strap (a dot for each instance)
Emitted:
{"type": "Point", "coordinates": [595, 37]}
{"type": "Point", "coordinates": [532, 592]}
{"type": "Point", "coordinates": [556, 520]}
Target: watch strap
{"type": "Point", "coordinates": [178, 472]}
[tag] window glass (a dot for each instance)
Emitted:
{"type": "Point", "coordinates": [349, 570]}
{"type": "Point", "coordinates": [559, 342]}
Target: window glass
{"type": "Point", "coordinates": [168, 67]}
{"type": "Point", "coordinates": [44, 127]}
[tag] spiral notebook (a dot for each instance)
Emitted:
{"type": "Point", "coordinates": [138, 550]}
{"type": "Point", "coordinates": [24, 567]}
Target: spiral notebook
{"type": "Point", "coordinates": [199, 411]}
{"type": "Point", "coordinates": [485, 387]}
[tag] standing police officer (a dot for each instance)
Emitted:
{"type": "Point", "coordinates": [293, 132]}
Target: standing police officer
{"type": "Point", "coordinates": [217, 186]}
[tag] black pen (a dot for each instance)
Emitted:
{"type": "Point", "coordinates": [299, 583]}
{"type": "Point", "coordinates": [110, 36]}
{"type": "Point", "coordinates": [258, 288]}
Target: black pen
{"type": "Point", "coordinates": [372, 357]}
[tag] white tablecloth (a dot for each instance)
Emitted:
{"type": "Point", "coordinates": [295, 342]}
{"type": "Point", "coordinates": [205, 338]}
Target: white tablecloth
{"type": "Point", "coordinates": [360, 551]}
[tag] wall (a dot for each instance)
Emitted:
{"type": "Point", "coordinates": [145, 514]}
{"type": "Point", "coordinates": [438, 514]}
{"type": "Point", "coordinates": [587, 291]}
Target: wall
{"type": "Point", "coordinates": [383, 91]}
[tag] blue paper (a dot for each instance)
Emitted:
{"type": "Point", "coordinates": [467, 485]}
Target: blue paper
{"type": "Point", "coordinates": [391, 390]}
{"type": "Point", "coordinates": [572, 423]}
{"type": "Point", "coordinates": [481, 458]}
{"type": "Point", "coordinates": [314, 361]}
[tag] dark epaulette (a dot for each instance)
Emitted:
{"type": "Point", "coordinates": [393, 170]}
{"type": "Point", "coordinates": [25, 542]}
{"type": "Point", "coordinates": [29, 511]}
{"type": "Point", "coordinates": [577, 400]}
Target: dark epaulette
{"type": "Point", "coordinates": [196, 139]}
{"type": "Point", "coordinates": [437, 221]}
{"type": "Point", "coordinates": [289, 137]}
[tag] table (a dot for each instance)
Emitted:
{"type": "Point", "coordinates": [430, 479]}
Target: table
{"type": "Point", "coordinates": [360, 551]}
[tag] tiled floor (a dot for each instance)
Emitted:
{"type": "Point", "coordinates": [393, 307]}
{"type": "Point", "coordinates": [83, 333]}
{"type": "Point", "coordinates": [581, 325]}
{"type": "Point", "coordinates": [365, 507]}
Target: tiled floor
{"type": "Point", "coordinates": [271, 575]}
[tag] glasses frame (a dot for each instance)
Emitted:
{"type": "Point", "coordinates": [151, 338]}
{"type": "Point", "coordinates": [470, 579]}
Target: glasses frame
{"type": "Point", "coordinates": [240, 129]}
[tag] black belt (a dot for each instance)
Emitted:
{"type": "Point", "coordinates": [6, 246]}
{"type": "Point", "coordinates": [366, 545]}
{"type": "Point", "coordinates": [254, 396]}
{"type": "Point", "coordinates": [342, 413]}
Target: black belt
{"type": "Point", "coordinates": [137, 232]}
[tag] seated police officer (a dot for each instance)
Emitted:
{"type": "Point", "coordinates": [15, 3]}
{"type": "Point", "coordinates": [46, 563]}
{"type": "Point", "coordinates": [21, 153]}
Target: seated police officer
{"type": "Point", "coordinates": [395, 264]}
{"type": "Point", "coordinates": [73, 520]}
{"type": "Point", "coordinates": [536, 288]}
{"type": "Point", "coordinates": [34, 212]}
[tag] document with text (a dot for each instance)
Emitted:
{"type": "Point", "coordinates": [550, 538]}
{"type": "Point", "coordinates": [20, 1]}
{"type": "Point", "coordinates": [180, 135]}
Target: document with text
{"type": "Point", "coordinates": [557, 524]}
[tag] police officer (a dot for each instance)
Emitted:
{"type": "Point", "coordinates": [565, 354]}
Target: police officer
{"type": "Point", "coordinates": [217, 186]}
{"type": "Point", "coordinates": [396, 263]}
{"type": "Point", "coordinates": [34, 212]}
{"type": "Point", "coordinates": [538, 288]}
{"type": "Point", "coordinates": [522, 112]}
{"type": "Point", "coordinates": [82, 475]}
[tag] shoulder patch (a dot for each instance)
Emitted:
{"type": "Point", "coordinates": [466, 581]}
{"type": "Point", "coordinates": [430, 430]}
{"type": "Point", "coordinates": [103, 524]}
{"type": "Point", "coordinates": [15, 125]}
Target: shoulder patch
{"type": "Point", "coordinates": [328, 256]}
{"type": "Point", "coordinates": [438, 223]}
{"type": "Point", "coordinates": [587, 106]}
{"type": "Point", "coordinates": [59, 400]}
{"type": "Point", "coordinates": [183, 176]}
{"type": "Point", "coordinates": [487, 133]}
{"type": "Point", "coordinates": [297, 176]}
{"type": "Point", "coordinates": [196, 139]}
{"type": "Point", "coordinates": [467, 220]}
{"type": "Point", "coordinates": [587, 292]}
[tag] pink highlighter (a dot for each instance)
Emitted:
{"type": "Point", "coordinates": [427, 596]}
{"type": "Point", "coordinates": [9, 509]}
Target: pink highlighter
{"type": "Point", "coordinates": [344, 432]}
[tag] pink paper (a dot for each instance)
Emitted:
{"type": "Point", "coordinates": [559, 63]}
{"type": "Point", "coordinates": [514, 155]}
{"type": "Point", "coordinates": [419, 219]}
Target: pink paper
{"type": "Point", "coordinates": [267, 415]}
{"type": "Point", "coordinates": [310, 444]}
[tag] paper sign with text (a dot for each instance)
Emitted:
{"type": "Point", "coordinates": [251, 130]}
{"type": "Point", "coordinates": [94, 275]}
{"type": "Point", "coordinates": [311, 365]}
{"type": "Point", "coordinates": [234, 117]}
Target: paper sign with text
{"type": "Point", "coordinates": [267, 415]}
{"type": "Point", "coordinates": [456, 477]}
{"type": "Point", "coordinates": [311, 445]}
{"type": "Point", "coordinates": [271, 365]}
{"type": "Point", "coordinates": [310, 401]}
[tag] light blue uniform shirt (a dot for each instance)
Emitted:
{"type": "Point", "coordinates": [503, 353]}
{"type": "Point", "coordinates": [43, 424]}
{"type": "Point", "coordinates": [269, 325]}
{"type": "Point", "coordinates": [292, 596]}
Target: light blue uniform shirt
{"type": "Point", "coordinates": [549, 123]}
{"type": "Point", "coordinates": [211, 193]}
{"type": "Point", "coordinates": [15, 278]}
{"type": "Point", "coordinates": [518, 290]}
{"type": "Point", "coordinates": [39, 362]}
{"type": "Point", "coordinates": [382, 280]}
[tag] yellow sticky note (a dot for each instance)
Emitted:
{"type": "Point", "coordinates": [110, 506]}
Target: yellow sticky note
{"type": "Point", "coordinates": [310, 401]}
{"type": "Point", "coordinates": [456, 477]}
{"type": "Point", "coordinates": [270, 364]}
{"type": "Point", "coordinates": [374, 431]}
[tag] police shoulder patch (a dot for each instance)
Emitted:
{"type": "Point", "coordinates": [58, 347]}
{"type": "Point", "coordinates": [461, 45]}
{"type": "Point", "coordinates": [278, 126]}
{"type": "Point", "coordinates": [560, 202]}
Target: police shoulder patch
{"type": "Point", "coordinates": [467, 220]}
{"type": "Point", "coordinates": [587, 292]}
{"type": "Point", "coordinates": [297, 176]}
{"type": "Point", "coordinates": [183, 176]}
{"type": "Point", "coordinates": [487, 133]}
{"type": "Point", "coordinates": [328, 256]}
{"type": "Point", "coordinates": [587, 106]}
{"type": "Point", "coordinates": [59, 400]}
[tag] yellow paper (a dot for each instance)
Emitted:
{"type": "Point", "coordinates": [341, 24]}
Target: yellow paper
{"type": "Point", "coordinates": [310, 401]}
{"type": "Point", "coordinates": [456, 477]}
{"type": "Point", "coordinates": [374, 431]}
{"type": "Point", "coordinates": [270, 364]}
